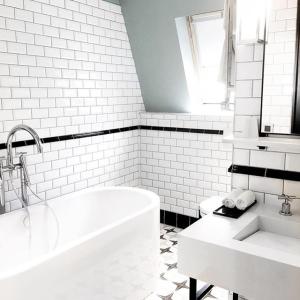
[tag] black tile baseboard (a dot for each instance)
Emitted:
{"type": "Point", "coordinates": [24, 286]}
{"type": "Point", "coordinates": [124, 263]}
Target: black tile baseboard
{"type": "Point", "coordinates": [176, 220]}
{"type": "Point", "coordinates": [264, 172]}
{"type": "Point", "coordinates": [109, 131]}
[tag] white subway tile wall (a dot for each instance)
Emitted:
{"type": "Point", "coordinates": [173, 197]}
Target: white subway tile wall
{"type": "Point", "coordinates": [66, 67]}
{"type": "Point", "coordinates": [292, 162]}
{"type": "Point", "coordinates": [69, 166]}
{"type": "Point", "coordinates": [185, 168]}
{"type": "Point", "coordinates": [271, 160]}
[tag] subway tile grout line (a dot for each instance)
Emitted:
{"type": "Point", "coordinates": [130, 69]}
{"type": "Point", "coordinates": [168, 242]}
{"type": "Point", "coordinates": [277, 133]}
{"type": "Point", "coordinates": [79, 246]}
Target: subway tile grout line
{"type": "Point", "coordinates": [111, 131]}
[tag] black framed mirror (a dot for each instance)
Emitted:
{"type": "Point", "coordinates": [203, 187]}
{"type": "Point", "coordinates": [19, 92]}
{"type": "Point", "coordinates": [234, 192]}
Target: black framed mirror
{"type": "Point", "coordinates": [296, 103]}
{"type": "Point", "coordinates": [280, 100]}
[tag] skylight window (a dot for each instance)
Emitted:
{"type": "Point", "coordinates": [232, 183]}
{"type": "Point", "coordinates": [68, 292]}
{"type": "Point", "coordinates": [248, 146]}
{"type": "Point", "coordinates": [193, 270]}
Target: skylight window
{"type": "Point", "coordinates": [207, 48]}
{"type": "Point", "coordinates": [208, 35]}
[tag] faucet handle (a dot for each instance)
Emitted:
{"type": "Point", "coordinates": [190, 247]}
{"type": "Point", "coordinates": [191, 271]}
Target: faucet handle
{"type": "Point", "coordinates": [286, 198]}
{"type": "Point", "coordinates": [23, 164]}
{"type": "Point", "coordinates": [2, 159]}
{"type": "Point", "coordinates": [21, 153]}
{"type": "Point", "coordinates": [2, 191]}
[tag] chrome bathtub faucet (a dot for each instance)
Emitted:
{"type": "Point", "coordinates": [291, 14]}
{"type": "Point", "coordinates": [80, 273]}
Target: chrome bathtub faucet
{"type": "Point", "coordinates": [21, 165]}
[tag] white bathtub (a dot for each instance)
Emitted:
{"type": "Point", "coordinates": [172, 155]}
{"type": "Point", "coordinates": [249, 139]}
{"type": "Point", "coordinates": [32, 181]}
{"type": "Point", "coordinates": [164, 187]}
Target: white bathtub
{"type": "Point", "coordinates": [99, 244]}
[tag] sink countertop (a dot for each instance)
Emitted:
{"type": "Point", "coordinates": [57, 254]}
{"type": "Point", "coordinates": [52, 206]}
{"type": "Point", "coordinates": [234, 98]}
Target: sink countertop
{"type": "Point", "coordinates": [231, 263]}
{"type": "Point", "coordinates": [223, 230]}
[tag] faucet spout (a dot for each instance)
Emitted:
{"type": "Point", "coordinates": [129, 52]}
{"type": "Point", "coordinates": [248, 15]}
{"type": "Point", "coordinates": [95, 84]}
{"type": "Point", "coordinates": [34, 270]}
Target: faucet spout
{"type": "Point", "coordinates": [10, 137]}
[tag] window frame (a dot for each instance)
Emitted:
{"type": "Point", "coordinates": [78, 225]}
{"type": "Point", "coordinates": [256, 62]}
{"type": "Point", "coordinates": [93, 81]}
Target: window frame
{"type": "Point", "coordinates": [226, 103]}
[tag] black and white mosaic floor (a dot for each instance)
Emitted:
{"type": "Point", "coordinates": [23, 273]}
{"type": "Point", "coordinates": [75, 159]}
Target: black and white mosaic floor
{"type": "Point", "coordinates": [172, 285]}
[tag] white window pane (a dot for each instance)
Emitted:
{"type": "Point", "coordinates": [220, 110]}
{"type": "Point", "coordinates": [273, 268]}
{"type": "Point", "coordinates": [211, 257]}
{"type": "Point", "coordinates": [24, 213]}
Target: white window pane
{"type": "Point", "coordinates": [210, 37]}
{"type": "Point", "coordinates": [251, 15]}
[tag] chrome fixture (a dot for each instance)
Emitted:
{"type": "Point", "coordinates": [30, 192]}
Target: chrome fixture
{"type": "Point", "coordinates": [11, 136]}
{"type": "Point", "coordinates": [21, 165]}
{"type": "Point", "coordinates": [2, 187]}
{"type": "Point", "coordinates": [286, 205]}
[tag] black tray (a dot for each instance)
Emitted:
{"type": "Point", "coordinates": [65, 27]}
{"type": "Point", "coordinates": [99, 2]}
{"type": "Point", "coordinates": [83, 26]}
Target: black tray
{"type": "Point", "coordinates": [231, 212]}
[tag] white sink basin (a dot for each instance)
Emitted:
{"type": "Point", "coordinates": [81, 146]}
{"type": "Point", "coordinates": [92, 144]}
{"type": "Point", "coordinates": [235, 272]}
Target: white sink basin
{"type": "Point", "coordinates": [254, 256]}
{"type": "Point", "coordinates": [282, 235]}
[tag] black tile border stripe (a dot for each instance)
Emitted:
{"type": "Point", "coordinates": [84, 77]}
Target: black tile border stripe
{"type": "Point", "coordinates": [70, 136]}
{"type": "Point", "coordinates": [110, 131]}
{"type": "Point", "coordinates": [176, 220]}
{"type": "Point", "coordinates": [264, 172]}
{"type": "Point", "coordinates": [181, 129]}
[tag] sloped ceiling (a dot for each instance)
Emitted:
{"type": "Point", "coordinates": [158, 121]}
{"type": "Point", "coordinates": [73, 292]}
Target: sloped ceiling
{"type": "Point", "coordinates": [156, 52]}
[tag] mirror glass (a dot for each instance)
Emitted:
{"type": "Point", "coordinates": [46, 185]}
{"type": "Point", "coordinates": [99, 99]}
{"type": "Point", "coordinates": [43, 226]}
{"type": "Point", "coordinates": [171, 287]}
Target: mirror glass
{"type": "Point", "coordinates": [279, 72]}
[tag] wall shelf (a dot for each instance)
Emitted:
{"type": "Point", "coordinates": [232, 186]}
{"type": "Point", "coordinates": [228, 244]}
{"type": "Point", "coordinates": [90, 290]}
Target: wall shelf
{"type": "Point", "coordinates": [265, 143]}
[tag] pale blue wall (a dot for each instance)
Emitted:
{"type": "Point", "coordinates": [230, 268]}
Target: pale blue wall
{"type": "Point", "coordinates": [113, 1]}
{"type": "Point", "coordinates": [153, 38]}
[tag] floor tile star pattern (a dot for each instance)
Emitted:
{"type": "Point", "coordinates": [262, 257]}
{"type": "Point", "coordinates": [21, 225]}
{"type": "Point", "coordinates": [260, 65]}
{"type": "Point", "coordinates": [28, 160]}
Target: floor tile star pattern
{"type": "Point", "coordinates": [173, 285]}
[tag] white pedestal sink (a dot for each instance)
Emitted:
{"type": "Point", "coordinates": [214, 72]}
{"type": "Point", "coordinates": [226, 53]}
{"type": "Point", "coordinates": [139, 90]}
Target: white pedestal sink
{"type": "Point", "coordinates": [257, 255]}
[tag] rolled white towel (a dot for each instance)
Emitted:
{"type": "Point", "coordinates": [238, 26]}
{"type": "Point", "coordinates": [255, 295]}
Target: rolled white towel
{"type": "Point", "coordinates": [245, 199]}
{"type": "Point", "coordinates": [230, 200]}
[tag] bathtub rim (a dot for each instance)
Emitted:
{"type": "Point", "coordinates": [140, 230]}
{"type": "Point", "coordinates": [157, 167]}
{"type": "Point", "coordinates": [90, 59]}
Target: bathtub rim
{"type": "Point", "coordinates": [35, 262]}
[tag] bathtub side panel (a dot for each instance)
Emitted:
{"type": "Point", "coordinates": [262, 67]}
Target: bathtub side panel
{"type": "Point", "coordinates": [122, 263]}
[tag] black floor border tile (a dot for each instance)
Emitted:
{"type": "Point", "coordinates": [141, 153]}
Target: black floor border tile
{"type": "Point", "coordinates": [109, 131]}
{"type": "Point", "coordinates": [162, 216]}
{"type": "Point", "coordinates": [176, 219]}
{"type": "Point", "coordinates": [264, 172]}
{"type": "Point", "coordinates": [183, 221]}
{"type": "Point", "coordinates": [170, 218]}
